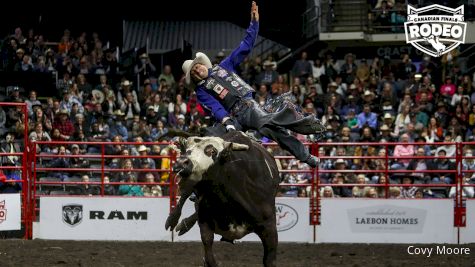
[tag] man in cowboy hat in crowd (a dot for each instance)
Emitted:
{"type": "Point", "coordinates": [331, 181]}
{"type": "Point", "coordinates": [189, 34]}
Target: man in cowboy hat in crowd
{"type": "Point", "coordinates": [117, 125]}
{"type": "Point", "coordinates": [269, 75]}
{"type": "Point", "coordinates": [64, 124]}
{"type": "Point", "coordinates": [225, 94]}
{"type": "Point", "coordinates": [144, 67]}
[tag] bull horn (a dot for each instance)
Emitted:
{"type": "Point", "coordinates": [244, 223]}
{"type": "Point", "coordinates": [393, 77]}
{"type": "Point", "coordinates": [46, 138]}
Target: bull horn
{"type": "Point", "coordinates": [236, 146]}
{"type": "Point", "coordinates": [182, 144]}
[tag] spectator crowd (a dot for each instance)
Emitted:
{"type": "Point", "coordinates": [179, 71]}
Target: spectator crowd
{"type": "Point", "coordinates": [375, 100]}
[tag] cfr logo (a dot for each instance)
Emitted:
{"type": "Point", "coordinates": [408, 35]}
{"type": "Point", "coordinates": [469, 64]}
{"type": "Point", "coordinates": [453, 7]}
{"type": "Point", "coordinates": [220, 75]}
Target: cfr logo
{"type": "Point", "coordinates": [432, 33]}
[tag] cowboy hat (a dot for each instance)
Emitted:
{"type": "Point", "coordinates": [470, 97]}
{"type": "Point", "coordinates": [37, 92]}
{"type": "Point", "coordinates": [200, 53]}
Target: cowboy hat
{"type": "Point", "coordinates": [269, 63]}
{"type": "Point", "coordinates": [368, 93]}
{"type": "Point", "coordinates": [98, 96]}
{"type": "Point", "coordinates": [200, 58]}
{"type": "Point", "coordinates": [144, 55]}
{"type": "Point", "coordinates": [119, 112]}
{"type": "Point", "coordinates": [388, 116]}
{"type": "Point", "coordinates": [349, 55]}
{"type": "Point", "coordinates": [220, 54]}
{"type": "Point", "coordinates": [126, 83]}
{"type": "Point", "coordinates": [63, 112]}
{"type": "Point", "coordinates": [338, 161]}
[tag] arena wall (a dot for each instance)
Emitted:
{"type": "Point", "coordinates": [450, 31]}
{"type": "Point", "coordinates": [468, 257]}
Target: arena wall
{"type": "Point", "coordinates": [342, 220]}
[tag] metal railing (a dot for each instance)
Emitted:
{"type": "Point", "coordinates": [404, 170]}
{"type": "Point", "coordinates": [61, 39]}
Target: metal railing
{"type": "Point", "coordinates": [314, 184]}
{"type": "Point", "coordinates": [20, 166]}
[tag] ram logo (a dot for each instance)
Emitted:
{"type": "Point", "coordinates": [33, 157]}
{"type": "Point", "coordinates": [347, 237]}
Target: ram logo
{"type": "Point", "coordinates": [72, 214]}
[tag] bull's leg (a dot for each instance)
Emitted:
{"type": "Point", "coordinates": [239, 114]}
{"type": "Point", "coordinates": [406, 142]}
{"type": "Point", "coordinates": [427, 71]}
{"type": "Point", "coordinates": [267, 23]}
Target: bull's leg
{"type": "Point", "coordinates": [207, 237]}
{"type": "Point", "coordinates": [172, 220]}
{"type": "Point", "coordinates": [269, 238]}
{"type": "Point", "coordinates": [186, 224]}
{"type": "Point", "coordinates": [174, 216]}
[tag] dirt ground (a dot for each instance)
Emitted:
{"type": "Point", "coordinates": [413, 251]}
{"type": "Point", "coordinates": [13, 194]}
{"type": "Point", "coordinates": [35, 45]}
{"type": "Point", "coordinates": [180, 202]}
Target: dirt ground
{"type": "Point", "coordinates": [80, 253]}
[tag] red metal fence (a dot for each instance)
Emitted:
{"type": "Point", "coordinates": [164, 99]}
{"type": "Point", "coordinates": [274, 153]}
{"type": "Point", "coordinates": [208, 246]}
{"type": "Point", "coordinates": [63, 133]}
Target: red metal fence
{"type": "Point", "coordinates": [458, 172]}
{"type": "Point", "coordinates": [34, 169]}
{"type": "Point", "coordinates": [19, 165]}
{"type": "Point", "coordinates": [40, 167]}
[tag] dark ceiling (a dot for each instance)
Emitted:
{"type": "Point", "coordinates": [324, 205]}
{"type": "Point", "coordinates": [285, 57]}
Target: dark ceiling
{"type": "Point", "coordinates": [280, 21]}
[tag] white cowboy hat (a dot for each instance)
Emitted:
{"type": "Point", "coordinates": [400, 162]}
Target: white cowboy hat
{"type": "Point", "coordinates": [388, 116]}
{"type": "Point", "coordinates": [63, 112]}
{"type": "Point", "coordinates": [188, 64]}
{"type": "Point", "coordinates": [126, 83]}
{"type": "Point", "coordinates": [367, 93]}
{"type": "Point", "coordinates": [340, 161]}
{"type": "Point", "coordinates": [269, 63]}
{"type": "Point", "coordinates": [98, 96]}
{"type": "Point", "coordinates": [119, 112]}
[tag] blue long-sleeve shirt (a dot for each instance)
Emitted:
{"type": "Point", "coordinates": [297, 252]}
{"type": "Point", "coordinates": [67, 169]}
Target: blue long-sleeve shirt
{"type": "Point", "coordinates": [230, 63]}
{"type": "Point", "coordinates": [371, 119]}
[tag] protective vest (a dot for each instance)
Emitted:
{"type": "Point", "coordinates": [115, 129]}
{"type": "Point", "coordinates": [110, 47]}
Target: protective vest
{"type": "Point", "coordinates": [227, 87]}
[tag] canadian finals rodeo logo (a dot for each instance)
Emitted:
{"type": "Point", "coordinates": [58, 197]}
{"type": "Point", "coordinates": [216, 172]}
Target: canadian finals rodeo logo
{"type": "Point", "coordinates": [435, 29]}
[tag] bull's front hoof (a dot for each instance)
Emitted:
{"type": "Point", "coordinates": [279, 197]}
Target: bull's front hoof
{"type": "Point", "coordinates": [185, 225]}
{"type": "Point", "coordinates": [172, 221]}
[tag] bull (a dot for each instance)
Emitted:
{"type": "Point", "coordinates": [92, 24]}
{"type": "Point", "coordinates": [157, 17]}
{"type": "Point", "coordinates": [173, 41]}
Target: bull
{"type": "Point", "coordinates": [236, 181]}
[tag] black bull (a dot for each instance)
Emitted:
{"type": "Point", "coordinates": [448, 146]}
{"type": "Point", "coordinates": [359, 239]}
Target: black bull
{"type": "Point", "coordinates": [236, 196]}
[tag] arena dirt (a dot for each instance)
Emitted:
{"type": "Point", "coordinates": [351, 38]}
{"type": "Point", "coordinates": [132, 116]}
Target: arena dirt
{"type": "Point", "coordinates": [79, 253]}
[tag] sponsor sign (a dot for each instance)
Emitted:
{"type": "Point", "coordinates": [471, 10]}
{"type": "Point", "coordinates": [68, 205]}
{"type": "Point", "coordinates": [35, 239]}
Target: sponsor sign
{"type": "Point", "coordinates": [435, 29]}
{"type": "Point", "coordinates": [10, 212]}
{"type": "Point", "coordinates": [292, 218]}
{"type": "Point", "coordinates": [467, 233]}
{"type": "Point", "coordinates": [286, 216]}
{"type": "Point", "coordinates": [3, 211]}
{"type": "Point", "coordinates": [386, 221]}
{"type": "Point", "coordinates": [102, 218]}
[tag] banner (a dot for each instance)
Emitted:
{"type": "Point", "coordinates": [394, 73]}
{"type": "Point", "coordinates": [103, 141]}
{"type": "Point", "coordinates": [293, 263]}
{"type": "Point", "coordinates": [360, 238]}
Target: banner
{"type": "Point", "coordinates": [387, 221]}
{"type": "Point", "coordinates": [10, 212]}
{"type": "Point", "coordinates": [292, 215]}
{"type": "Point", "coordinates": [103, 218]}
